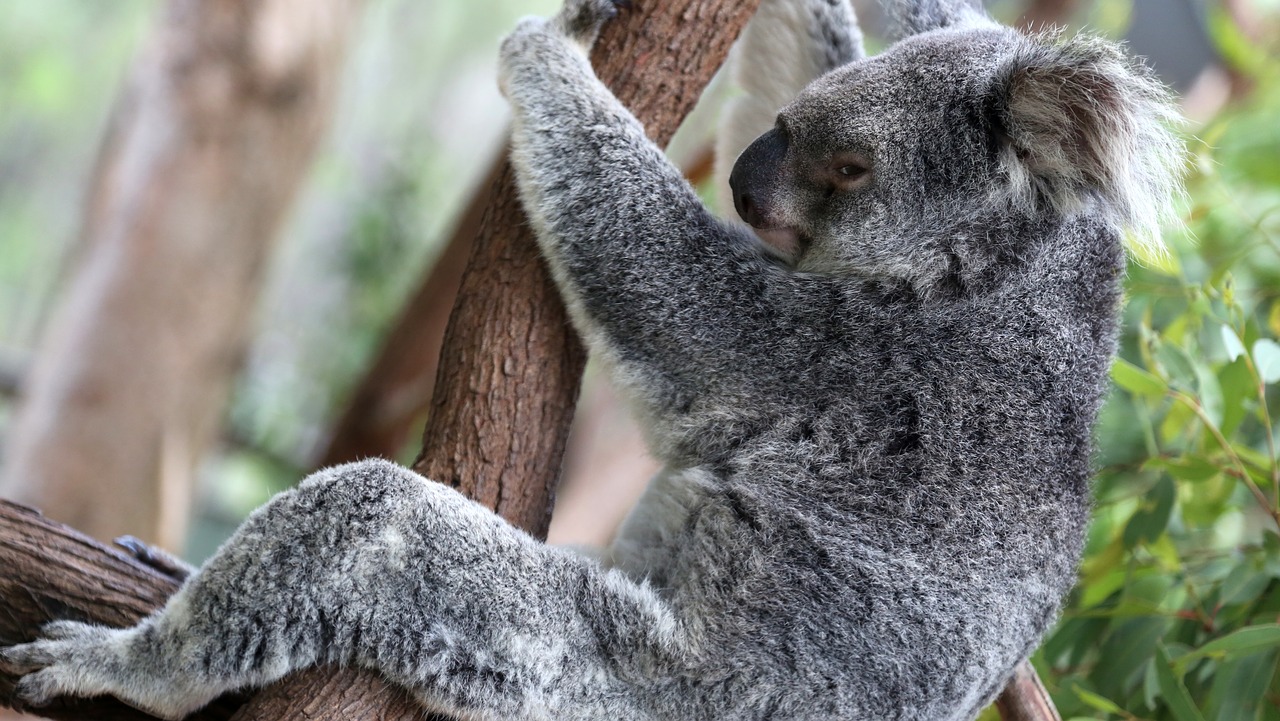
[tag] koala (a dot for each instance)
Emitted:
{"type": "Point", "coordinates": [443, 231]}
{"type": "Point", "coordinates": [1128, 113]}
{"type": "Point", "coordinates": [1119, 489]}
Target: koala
{"type": "Point", "coordinates": [873, 405]}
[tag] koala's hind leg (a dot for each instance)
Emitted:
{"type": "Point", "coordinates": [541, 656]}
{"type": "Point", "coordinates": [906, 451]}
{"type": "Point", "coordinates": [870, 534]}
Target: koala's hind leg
{"type": "Point", "coordinates": [246, 618]}
{"type": "Point", "coordinates": [370, 564]}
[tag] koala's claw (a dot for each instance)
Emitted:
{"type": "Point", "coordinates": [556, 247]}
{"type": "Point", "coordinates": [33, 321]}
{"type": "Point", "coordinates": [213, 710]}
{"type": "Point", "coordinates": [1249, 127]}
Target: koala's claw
{"type": "Point", "coordinates": [582, 19]}
{"type": "Point", "coordinates": [155, 558]}
{"type": "Point", "coordinates": [55, 638]}
{"type": "Point", "coordinates": [37, 689]}
{"type": "Point", "coordinates": [23, 659]}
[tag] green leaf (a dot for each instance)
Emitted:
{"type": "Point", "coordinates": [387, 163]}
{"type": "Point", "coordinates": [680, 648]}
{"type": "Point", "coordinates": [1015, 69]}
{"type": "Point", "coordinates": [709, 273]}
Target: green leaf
{"type": "Point", "coordinates": [1266, 358]}
{"type": "Point", "coordinates": [1178, 419]}
{"type": "Point", "coordinates": [1101, 703]}
{"type": "Point", "coordinates": [1150, 687]}
{"type": "Point", "coordinates": [1210, 394]}
{"type": "Point", "coordinates": [1174, 693]}
{"type": "Point", "coordinates": [1271, 554]}
{"type": "Point", "coordinates": [1247, 640]}
{"type": "Point", "coordinates": [1193, 469]}
{"type": "Point", "coordinates": [1136, 380]}
{"type": "Point", "coordinates": [1151, 520]}
{"type": "Point", "coordinates": [1125, 653]}
{"type": "Point", "coordinates": [1233, 344]}
{"type": "Point", "coordinates": [1244, 584]}
{"type": "Point", "coordinates": [1238, 390]}
{"type": "Point", "coordinates": [1240, 687]}
{"type": "Point", "coordinates": [1177, 365]}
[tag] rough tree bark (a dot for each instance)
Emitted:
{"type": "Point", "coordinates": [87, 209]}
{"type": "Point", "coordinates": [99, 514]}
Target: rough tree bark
{"type": "Point", "coordinates": [1025, 699]}
{"type": "Point", "coordinates": [396, 389]}
{"type": "Point", "coordinates": [503, 400]}
{"type": "Point", "coordinates": [208, 145]}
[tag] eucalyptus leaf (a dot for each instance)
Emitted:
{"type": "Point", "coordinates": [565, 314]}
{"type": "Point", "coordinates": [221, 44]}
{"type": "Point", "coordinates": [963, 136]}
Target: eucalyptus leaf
{"type": "Point", "coordinates": [1239, 390]}
{"type": "Point", "coordinates": [1136, 380]}
{"type": "Point", "coordinates": [1244, 584]}
{"type": "Point", "coordinates": [1188, 468]}
{"type": "Point", "coordinates": [1177, 365]}
{"type": "Point", "coordinates": [1232, 343]}
{"type": "Point", "coordinates": [1124, 655]}
{"type": "Point", "coordinates": [1250, 639]}
{"type": "Point", "coordinates": [1210, 393]}
{"type": "Point", "coordinates": [1173, 691]}
{"type": "Point", "coordinates": [1150, 521]}
{"type": "Point", "coordinates": [1240, 687]}
{"type": "Point", "coordinates": [1101, 703]}
{"type": "Point", "coordinates": [1266, 358]}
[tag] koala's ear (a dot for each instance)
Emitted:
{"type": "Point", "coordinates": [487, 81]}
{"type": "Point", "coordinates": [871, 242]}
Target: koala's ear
{"type": "Point", "coordinates": [908, 17]}
{"type": "Point", "coordinates": [1079, 124]}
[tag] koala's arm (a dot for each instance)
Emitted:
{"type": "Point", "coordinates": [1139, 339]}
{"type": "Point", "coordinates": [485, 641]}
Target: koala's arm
{"type": "Point", "coordinates": [787, 45]}
{"type": "Point", "coordinates": [369, 564]}
{"type": "Point", "coordinates": [674, 299]}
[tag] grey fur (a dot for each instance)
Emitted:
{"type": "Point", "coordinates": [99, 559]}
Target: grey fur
{"type": "Point", "coordinates": [876, 440]}
{"type": "Point", "coordinates": [921, 16]}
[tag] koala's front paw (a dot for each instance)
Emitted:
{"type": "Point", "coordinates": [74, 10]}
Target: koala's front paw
{"type": "Point", "coordinates": [581, 20]}
{"type": "Point", "coordinates": [565, 40]}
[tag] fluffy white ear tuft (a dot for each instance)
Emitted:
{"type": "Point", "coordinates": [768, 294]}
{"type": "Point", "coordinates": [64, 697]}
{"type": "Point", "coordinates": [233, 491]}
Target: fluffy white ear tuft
{"type": "Point", "coordinates": [1084, 124]}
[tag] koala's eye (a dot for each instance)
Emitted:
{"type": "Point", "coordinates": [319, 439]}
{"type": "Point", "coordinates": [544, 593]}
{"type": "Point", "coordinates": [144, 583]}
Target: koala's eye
{"type": "Point", "coordinates": [848, 172]}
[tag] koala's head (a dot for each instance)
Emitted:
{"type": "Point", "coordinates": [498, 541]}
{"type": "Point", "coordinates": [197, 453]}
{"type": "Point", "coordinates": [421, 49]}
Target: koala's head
{"type": "Point", "coordinates": [956, 144]}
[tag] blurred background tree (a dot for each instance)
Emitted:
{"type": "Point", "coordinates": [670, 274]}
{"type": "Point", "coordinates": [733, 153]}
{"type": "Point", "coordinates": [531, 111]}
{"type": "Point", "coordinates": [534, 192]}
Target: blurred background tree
{"type": "Point", "coordinates": [1178, 612]}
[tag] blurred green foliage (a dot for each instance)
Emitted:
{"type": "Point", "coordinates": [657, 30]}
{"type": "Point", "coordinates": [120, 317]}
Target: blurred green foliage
{"type": "Point", "coordinates": [61, 64]}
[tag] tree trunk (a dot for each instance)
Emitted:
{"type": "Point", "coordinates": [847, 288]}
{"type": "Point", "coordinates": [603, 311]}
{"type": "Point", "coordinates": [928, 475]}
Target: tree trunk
{"type": "Point", "coordinates": [396, 389]}
{"type": "Point", "coordinates": [1025, 699]}
{"type": "Point", "coordinates": [208, 146]}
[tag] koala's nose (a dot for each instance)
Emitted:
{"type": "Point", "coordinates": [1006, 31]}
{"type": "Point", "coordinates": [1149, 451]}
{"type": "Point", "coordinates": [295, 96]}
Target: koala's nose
{"type": "Point", "coordinates": [747, 209]}
{"type": "Point", "coordinates": [756, 176]}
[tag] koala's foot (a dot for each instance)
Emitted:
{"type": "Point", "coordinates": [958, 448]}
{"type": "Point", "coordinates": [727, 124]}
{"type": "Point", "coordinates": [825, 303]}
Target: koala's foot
{"type": "Point", "coordinates": [79, 659]}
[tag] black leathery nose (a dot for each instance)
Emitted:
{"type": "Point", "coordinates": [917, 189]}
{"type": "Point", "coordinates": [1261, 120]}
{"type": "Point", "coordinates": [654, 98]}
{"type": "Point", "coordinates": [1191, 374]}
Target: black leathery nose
{"type": "Point", "coordinates": [756, 176]}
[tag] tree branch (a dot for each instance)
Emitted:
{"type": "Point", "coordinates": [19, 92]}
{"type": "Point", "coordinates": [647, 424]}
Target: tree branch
{"type": "Point", "coordinates": [1025, 698]}
{"type": "Point", "coordinates": [396, 389]}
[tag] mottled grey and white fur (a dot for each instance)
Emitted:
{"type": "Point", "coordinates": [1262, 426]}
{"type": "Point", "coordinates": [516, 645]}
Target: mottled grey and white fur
{"type": "Point", "coordinates": [876, 429]}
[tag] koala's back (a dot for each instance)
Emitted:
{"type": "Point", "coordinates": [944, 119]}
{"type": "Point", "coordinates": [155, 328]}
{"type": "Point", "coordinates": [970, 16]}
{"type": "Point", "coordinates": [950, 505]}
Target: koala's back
{"type": "Point", "coordinates": [898, 523]}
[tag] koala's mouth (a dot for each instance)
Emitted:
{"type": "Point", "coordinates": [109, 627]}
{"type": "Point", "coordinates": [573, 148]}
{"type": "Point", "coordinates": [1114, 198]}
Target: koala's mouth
{"type": "Point", "coordinates": [787, 241]}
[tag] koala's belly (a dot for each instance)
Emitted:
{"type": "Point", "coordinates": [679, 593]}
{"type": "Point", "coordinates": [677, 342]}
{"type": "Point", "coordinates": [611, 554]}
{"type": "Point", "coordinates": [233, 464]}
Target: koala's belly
{"type": "Point", "coordinates": [840, 616]}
